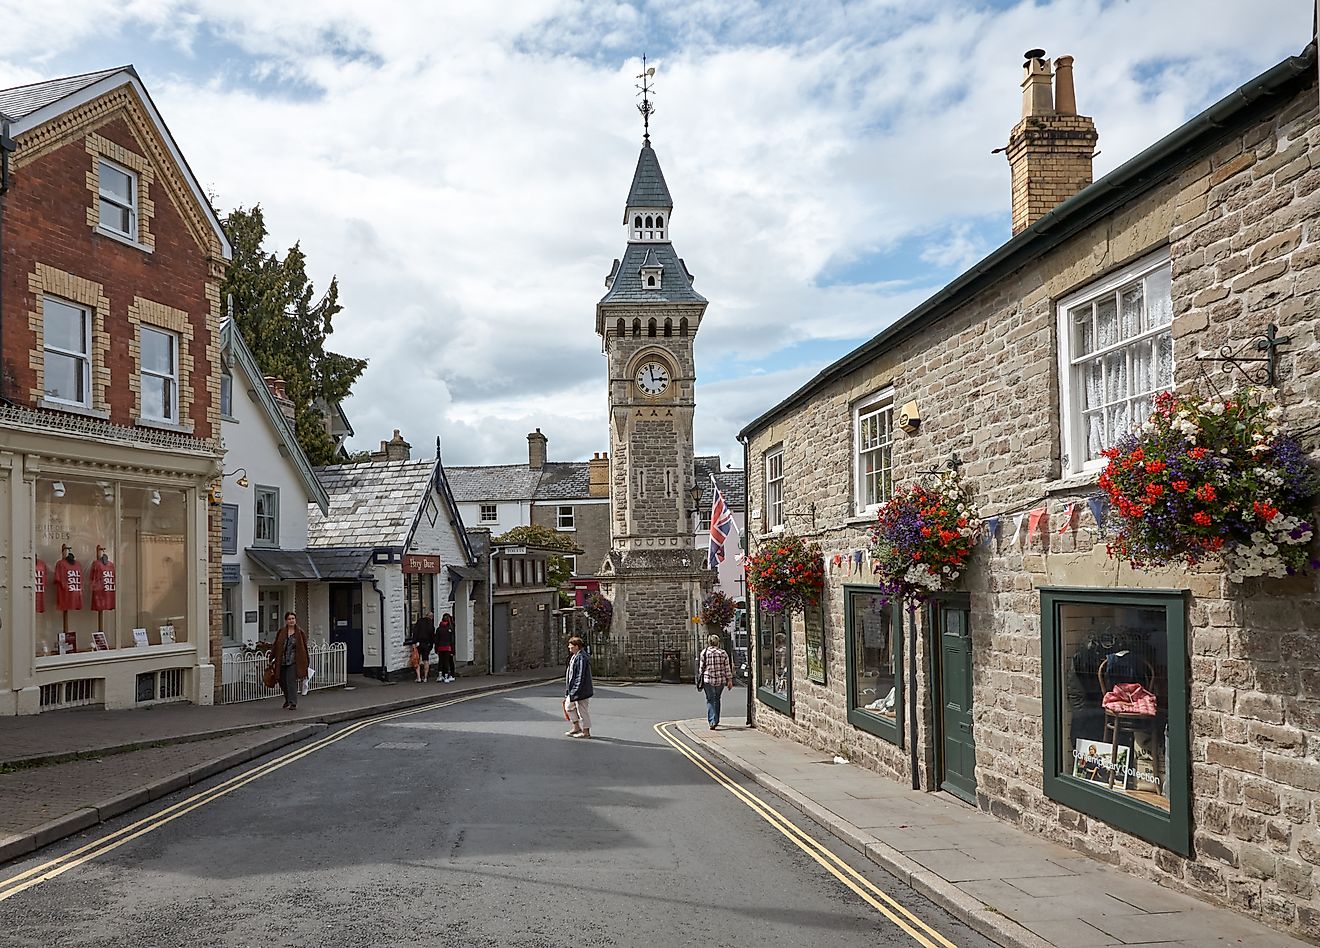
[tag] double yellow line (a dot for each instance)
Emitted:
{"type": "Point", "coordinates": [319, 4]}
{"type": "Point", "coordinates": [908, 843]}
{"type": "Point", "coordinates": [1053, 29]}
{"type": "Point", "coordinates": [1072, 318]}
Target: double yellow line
{"type": "Point", "coordinates": [35, 876]}
{"type": "Point", "coordinates": [921, 933]}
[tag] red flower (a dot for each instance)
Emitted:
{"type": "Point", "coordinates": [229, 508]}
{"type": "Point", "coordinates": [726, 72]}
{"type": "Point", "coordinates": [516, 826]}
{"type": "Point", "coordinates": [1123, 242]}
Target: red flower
{"type": "Point", "coordinates": [1180, 486]}
{"type": "Point", "coordinates": [1201, 518]}
{"type": "Point", "coordinates": [1265, 511]}
{"type": "Point", "coordinates": [1205, 492]}
{"type": "Point", "coordinates": [1197, 453]}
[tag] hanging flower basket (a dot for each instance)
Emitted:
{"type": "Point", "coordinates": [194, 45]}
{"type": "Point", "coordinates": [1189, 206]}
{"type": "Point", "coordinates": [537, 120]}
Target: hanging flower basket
{"type": "Point", "coordinates": [1212, 477]}
{"type": "Point", "coordinates": [599, 610]}
{"type": "Point", "coordinates": [922, 539]}
{"type": "Point", "coordinates": [787, 575]}
{"type": "Point", "coordinates": [717, 610]}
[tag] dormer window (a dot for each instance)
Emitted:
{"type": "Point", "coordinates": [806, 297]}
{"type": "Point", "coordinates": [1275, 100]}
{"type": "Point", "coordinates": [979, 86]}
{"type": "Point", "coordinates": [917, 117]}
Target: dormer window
{"type": "Point", "coordinates": [652, 272]}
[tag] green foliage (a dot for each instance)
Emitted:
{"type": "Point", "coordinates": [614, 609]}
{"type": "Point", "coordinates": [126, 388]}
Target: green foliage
{"type": "Point", "coordinates": [286, 326]}
{"type": "Point", "coordinates": [538, 536]}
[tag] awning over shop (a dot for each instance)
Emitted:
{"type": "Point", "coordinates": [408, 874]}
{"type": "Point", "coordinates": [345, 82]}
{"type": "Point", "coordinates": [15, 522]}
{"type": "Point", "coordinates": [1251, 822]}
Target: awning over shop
{"type": "Point", "coordinates": [311, 565]}
{"type": "Point", "coordinates": [459, 573]}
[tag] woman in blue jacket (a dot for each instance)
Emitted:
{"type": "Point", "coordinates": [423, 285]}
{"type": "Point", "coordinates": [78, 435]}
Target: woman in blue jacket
{"type": "Point", "coordinates": [577, 689]}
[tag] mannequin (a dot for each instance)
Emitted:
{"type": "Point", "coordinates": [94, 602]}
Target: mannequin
{"type": "Point", "coordinates": [68, 593]}
{"type": "Point", "coordinates": [101, 579]}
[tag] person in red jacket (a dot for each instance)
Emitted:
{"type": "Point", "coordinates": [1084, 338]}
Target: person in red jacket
{"type": "Point", "coordinates": [68, 583]}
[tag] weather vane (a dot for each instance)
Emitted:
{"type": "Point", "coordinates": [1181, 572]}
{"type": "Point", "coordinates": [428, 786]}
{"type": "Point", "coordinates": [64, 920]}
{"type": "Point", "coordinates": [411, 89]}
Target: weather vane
{"type": "Point", "coordinates": [646, 108]}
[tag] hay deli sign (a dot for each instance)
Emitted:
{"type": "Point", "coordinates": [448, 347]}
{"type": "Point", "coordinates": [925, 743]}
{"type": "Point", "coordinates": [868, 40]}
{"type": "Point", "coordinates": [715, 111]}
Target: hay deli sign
{"type": "Point", "coordinates": [420, 563]}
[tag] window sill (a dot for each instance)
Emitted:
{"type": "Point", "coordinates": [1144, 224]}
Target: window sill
{"type": "Point", "coordinates": [772, 699]}
{"type": "Point", "coordinates": [161, 425]}
{"type": "Point", "coordinates": [101, 413]}
{"type": "Point", "coordinates": [122, 239]}
{"type": "Point", "coordinates": [125, 654]}
{"type": "Point", "coordinates": [566, 529]}
{"type": "Point", "coordinates": [1074, 481]}
{"type": "Point", "coordinates": [229, 418]}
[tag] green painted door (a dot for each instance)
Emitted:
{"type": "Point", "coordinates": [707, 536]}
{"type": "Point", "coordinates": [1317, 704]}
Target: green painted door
{"type": "Point", "coordinates": [958, 750]}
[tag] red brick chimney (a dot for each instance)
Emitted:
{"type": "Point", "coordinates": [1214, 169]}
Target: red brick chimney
{"type": "Point", "coordinates": [282, 399]}
{"type": "Point", "coordinates": [1050, 149]}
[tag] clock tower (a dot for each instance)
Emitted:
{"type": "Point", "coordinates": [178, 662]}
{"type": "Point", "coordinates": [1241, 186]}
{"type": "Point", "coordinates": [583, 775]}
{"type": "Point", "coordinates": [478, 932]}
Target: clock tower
{"type": "Point", "coordinates": [647, 321]}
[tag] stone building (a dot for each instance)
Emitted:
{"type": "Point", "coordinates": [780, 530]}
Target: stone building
{"type": "Point", "coordinates": [110, 272]}
{"type": "Point", "coordinates": [523, 627]}
{"type": "Point", "coordinates": [1206, 239]}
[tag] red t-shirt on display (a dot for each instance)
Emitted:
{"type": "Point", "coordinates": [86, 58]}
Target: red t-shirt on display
{"type": "Point", "coordinates": [39, 585]}
{"type": "Point", "coordinates": [68, 586]}
{"type": "Point", "coordinates": [101, 579]}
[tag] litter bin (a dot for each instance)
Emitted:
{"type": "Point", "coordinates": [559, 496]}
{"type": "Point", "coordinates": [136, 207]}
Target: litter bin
{"type": "Point", "coordinates": [671, 665]}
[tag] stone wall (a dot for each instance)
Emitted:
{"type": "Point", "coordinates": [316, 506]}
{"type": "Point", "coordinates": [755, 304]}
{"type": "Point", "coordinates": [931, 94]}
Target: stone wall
{"type": "Point", "coordinates": [1240, 225]}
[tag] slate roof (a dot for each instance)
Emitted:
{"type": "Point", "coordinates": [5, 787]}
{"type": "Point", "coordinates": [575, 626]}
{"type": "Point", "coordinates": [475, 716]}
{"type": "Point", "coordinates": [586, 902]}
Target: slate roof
{"type": "Point", "coordinates": [730, 481]}
{"type": "Point", "coordinates": [19, 101]}
{"type": "Point", "coordinates": [651, 259]}
{"type": "Point", "coordinates": [371, 504]}
{"type": "Point", "coordinates": [676, 287]}
{"type": "Point", "coordinates": [564, 480]}
{"type": "Point", "coordinates": [648, 184]}
{"type": "Point", "coordinates": [492, 482]}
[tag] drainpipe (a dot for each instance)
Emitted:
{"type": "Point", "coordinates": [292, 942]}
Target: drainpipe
{"type": "Point", "coordinates": [375, 584]}
{"type": "Point", "coordinates": [912, 695]}
{"type": "Point", "coordinates": [6, 148]}
{"type": "Point", "coordinates": [748, 602]}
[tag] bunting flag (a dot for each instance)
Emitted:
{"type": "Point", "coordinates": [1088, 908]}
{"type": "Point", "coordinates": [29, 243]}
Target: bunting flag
{"type": "Point", "coordinates": [1098, 505]}
{"type": "Point", "coordinates": [1017, 529]}
{"type": "Point", "coordinates": [1036, 523]}
{"type": "Point", "coordinates": [857, 560]}
{"type": "Point", "coordinates": [1069, 518]}
{"type": "Point", "coordinates": [991, 529]}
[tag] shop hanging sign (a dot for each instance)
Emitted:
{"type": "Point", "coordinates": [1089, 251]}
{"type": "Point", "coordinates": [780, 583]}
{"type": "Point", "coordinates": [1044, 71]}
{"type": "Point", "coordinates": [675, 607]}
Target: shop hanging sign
{"type": "Point", "coordinates": [420, 563]}
{"type": "Point", "coordinates": [815, 641]}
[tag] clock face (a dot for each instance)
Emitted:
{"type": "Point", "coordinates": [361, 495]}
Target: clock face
{"type": "Point", "coordinates": [652, 379]}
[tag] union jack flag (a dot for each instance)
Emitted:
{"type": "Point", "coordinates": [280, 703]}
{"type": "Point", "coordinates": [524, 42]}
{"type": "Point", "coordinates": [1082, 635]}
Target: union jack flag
{"type": "Point", "coordinates": [721, 525]}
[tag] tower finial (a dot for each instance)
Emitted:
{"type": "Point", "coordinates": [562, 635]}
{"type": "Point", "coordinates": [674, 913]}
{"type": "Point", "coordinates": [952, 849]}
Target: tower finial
{"type": "Point", "coordinates": [646, 108]}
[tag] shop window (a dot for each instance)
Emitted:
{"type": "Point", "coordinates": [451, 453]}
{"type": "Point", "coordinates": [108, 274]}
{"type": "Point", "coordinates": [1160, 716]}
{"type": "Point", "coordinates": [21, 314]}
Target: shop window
{"type": "Point", "coordinates": [270, 602]}
{"type": "Point", "coordinates": [119, 204]}
{"type": "Point", "coordinates": [775, 661]}
{"type": "Point", "coordinates": [873, 439]}
{"type": "Point", "coordinates": [67, 339]}
{"type": "Point", "coordinates": [111, 566]}
{"type": "Point", "coordinates": [1115, 708]}
{"type": "Point", "coordinates": [1116, 354]}
{"type": "Point", "coordinates": [489, 513]}
{"type": "Point", "coordinates": [267, 516]}
{"type": "Point", "coordinates": [419, 591]}
{"type": "Point", "coordinates": [227, 394]}
{"type": "Point", "coordinates": [774, 489]}
{"type": "Point", "coordinates": [564, 517]}
{"type": "Point", "coordinates": [874, 663]}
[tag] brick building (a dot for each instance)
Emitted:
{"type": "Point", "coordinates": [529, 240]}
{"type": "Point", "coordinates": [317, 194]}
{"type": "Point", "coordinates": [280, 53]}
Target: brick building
{"type": "Point", "coordinates": [1205, 239]}
{"type": "Point", "coordinates": [110, 265]}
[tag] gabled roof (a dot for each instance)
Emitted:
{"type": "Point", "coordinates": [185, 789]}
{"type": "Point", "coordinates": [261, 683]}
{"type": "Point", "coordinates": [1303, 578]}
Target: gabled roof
{"type": "Point", "coordinates": [564, 480]}
{"type": "Point", "coordinates": [231, 342]}
{"type": "Point", "coordinates": [648, 184]}
{"type": "Point", "coordinates": [33, 105]}
{"type": "Point", "coordinates": [1134, 177]}
{"type": "Point", "coordinates": [627, 286]}
{"type": "Point", "coordinates": [731, 482]}
{"type": "Point", "coordinates": [493, 482]}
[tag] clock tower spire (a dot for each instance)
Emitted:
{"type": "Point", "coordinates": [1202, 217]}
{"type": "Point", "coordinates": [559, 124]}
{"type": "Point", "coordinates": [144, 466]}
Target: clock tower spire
{"type": "Point", "coordinates": [647, 322]}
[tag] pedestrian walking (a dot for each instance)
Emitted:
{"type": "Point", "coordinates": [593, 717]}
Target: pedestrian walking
{"type": "Point", "coordinates": [290, 652]}
{"type": "Point", "coordinates": [714, 674]}
{"type": "Point", "coordinates": [577, 689]}
{"type": "Point", "coordinates": [444, 648]}
{"type": "Point", "coordinates": [423, 635]}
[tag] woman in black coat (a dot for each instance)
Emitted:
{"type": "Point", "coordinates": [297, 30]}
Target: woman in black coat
{"type": "Point", "coordinates": [444, 647]}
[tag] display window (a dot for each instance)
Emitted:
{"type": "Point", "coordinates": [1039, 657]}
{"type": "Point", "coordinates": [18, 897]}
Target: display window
{"type": "Point", "coordinates": [875, 672]}
{"type": "Point", "coordinates": [420, 591]}
{"type": "Point", "coordinates": [111, 566]}
{"type": "Point", "coordinates": [775, 660]}
{"type": "Point", "coordinates": [1116, 715]}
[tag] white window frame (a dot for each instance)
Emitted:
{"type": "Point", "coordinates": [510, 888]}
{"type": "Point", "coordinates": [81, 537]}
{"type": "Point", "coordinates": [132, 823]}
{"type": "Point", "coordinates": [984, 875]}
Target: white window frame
{"type": "Point", "coordinates": [564, 519]}
{"type": "Point", "coordinates": [1072, 432]}
{"type": "Point", "coordinates": [489, 513]}
{"type": "Point", "coordinates": [570, 561]}
{"type": "Point", "coordinates": [226, 394]}
{"type": "Point", "coordinates": [84, 357]}
{"type": "Point", "coordinates": [878, 404]}
{"type": "Point", "coordinates": [231, 610]}
{"type": "Point", "coordinates": [109, 198]}
{"type": "Point", "coordinates": [274, 518]}
{"type": "Point", "coordinates": [774, 488]}
{"type": "Point", "coordinates": [172, 403]}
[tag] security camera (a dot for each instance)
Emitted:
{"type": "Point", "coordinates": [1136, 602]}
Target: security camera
{"type": "Point", "coordinates": [909, 418]}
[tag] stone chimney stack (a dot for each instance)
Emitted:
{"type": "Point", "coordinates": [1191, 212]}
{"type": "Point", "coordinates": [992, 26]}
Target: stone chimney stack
{"type": "Point", "coordinates": [281, 397]}
{"type": "Point", "coordinates": [396, 449]}
{"type": "Point", "coordinates": [536, 450]}
{"type": "Point", "coordinates": [598, 475]}
{"type": "Point", "coordinates": [1050, 149]}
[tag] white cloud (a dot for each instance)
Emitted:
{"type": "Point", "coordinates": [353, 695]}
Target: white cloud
{"type": "Point", "coordinates": [462, 167]}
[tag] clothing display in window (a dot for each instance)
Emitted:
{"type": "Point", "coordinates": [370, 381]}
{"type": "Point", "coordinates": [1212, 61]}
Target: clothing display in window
{"type": "Point", "coordinates": [39, 584]}
{"type": "Point", "coordinates": [101, 579]}
{"type": "Point", "coordinates": [68, 584]}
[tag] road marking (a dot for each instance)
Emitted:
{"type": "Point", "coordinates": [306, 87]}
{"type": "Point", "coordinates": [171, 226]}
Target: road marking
{"type": "Point", "coordinates": [877, 898]}
{"type": "Point", "coordinates": [99, 847]}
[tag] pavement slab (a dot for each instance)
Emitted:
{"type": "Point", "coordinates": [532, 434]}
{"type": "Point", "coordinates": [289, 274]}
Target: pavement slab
{"type": "Point", "coordinates": [1015, 888]}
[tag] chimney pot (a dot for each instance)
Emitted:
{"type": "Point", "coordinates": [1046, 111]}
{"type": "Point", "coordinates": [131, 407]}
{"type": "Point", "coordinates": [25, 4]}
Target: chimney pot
{"type": "Point", "coordinates": [1065, 97]}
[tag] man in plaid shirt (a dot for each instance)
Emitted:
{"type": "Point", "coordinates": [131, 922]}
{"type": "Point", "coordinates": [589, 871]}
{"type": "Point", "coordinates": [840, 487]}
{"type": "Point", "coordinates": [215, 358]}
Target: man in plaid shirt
{"type": "Point", "coordinates": [714, 673]}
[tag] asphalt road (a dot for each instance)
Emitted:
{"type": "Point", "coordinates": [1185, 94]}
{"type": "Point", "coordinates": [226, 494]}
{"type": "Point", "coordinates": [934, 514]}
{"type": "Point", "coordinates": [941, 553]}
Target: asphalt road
{"type": "Point", "coordinates": [476, 824]}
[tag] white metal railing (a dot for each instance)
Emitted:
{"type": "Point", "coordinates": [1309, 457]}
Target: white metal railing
{"type": "Point", "coordinates": [242, 672]}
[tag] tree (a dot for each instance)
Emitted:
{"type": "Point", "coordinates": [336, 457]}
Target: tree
{"type": "Point", "coordinates": [285, 325]}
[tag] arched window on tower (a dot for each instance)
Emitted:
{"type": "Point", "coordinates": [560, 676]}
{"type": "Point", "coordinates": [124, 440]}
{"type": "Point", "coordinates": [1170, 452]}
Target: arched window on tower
{"type": "Point", "coordinates": [669, 328]}
{"type": "Point", "coordinates": [637, 226]}
{"type": "Point", "coordinates": [650, 329]}
{"type": "Point", "coordinates": [637, 327]}
{"type": "Point", "coordinates": [650, 281]}
{"type": "Point", "coordinates": [682, 326]}
{"type": "Point", "coordinates": [619, 328]}
{"type": "Point", "coordinates": [660, 226]}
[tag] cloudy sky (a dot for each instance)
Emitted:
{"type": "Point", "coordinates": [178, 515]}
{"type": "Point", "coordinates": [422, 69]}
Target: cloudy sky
{"type": "Point", "coordinates": [462, 167]}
